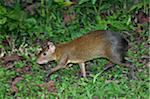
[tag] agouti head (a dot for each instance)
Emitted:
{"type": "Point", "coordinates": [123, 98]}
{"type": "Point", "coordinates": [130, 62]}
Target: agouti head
{"type": "Point", "coordinates": [46, 54]}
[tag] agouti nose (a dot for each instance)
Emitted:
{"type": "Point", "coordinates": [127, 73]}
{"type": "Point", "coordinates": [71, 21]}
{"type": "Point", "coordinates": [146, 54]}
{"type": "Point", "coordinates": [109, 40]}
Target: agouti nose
{"type": "Point", "coordinates": [41, 61]}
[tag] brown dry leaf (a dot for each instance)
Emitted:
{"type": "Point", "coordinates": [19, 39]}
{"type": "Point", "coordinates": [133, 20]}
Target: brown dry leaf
{"type": "Point", "coordinates": [95, 97]}
{"type": "Point", "coordinates": [8, 60]}
{"type": "Point", "coordinates": [79, 73]}
{"type": "Point", "coordinates": [111, 81]}
{"type": "Point", "coordinates": [144, 59]}
{"type": "Point", "coordinates": [14, 82]}
{"type": "Point", "coordinates": [12, 57]}
{"type": "Point", "coordinates": [104, 15]}
{"type": "Point", "coordinates": [8, 65]}
{"type": "Point", "coordinates": [68, 18]}
{"type": "Point", "coordinates": [49, 85]}
{"type": "Point", "coordinates": [2, 53]}
{"type": "Point", "coordinates": [7, 41]}
{"type": "Point", "coordinates": [9, 2]}
{"type": "Point", "coordinates": [25, 69]}
{"type": "Point", "coordinates": [138, 30]}
{"type": "Point", "coordinates": [31, 8]}
{"type": "Point", "coordinates": [75, 1]}
{"type": "Point", "coordinates": [141, 17]}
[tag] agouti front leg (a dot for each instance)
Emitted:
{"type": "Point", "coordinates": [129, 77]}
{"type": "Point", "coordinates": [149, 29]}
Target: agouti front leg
{"type": "Point", "coordinates": [82, 67]}
{"type": "Point", "coordinates": [62, 64]}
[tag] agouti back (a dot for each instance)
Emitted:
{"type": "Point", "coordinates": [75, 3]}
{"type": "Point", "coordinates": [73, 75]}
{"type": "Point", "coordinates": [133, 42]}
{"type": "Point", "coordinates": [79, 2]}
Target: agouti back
{"type": "Point", "coordinates": [96, 44]}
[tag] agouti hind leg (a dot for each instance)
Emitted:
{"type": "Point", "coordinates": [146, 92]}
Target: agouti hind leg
{"type": "Point", "coordinates": [119, 59]}
{"type": "Point", "coordinates": [131, 68]}
{"type": "Point", "coordinates": [108, 66]}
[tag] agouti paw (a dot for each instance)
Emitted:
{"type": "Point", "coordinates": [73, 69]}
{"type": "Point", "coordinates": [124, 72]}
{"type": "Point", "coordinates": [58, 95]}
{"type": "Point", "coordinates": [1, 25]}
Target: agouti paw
{"type": "Point", "coordinates": [46, 79]}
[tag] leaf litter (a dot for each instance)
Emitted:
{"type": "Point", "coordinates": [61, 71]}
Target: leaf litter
{"type": "Point", "coordinates": [49, 85]}
{"type": "Point", "coordinates": [14, 82]}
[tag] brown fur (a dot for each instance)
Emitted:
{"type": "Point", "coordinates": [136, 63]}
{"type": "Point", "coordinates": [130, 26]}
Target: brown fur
{"type": "Point", "coordinates": [87, 47]}
{"type": "Point", "coordinates": [94, 44]}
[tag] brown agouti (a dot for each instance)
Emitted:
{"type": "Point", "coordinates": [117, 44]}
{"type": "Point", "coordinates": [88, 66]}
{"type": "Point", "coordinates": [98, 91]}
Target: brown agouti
{"type": "Point", "coordinates": [96, 44]}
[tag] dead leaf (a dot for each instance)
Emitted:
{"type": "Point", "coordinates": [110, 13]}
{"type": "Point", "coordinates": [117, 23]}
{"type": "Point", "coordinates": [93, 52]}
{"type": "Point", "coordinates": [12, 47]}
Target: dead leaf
{"type": "Point", "coordinates": [109, 25]}
{"type": "Point", "coordinates": [144, 59]}
{"type": "Point", "coordinates": [95, 97]}
{"type": "Point", "coordinates": [79, 73]}
{"type": "Point", "coordinates": [75, 1]}
{"type": "Point", "coordinates": [7, 61]}
{"type": "Point", "coordinates": [49, 85]}
{"type": "Point", "coordinates": [111, 81]}
{"type": "Point", "coordinates": [7, 41]}
{"type": "Point", "coordinates": [141, 17]}
{"type": "Point", "coordinates": [14, 82]}
{"type": "Point", "coordinates": [138, 30]}
{"type": "Point", "coordinates": [8, 65]}
{"type": "Point", "coordinates": [146, 45]}
{"type": "Point", "coordinates": [104, 15]}
{"type": "Point", "coordinates": [31, 8]}
{"type": "Point", "coordinates": [12, 57]}
{"type": "Point", "coordinates": [9, 2]}
{"type": "Point", "coordinates": [25, 69]}
{"type": "Point", "coordinates": [2, 53]}
{"type": "Point", "coordinates": [68, 18]}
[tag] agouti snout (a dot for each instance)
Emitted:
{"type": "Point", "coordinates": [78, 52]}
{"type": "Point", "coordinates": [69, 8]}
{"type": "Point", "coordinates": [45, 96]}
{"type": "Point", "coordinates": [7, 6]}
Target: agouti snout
{"type": "Point", "coordinates": [96, 44]}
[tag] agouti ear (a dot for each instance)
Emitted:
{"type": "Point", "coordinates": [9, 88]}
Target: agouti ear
{"type": "Point", "coordinates": [51, 47]}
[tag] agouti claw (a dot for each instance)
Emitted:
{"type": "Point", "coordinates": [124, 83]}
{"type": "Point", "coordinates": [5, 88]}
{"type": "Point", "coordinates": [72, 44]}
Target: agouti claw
{"type": "Point", "coordinates": [132, 73]}
{"type": "Point", "coordinates": [132, 76]}
{"type": "Point", "coordinates": [46, 79]}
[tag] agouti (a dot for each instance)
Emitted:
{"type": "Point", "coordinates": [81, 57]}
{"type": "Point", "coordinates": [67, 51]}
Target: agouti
{"type": "Point", "coordinates": [96, 44]}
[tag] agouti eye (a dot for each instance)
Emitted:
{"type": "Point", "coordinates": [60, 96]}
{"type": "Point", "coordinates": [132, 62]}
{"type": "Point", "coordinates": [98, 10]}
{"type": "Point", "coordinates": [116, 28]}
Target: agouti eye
{"type": "Point", "coordinates": [44, 54]}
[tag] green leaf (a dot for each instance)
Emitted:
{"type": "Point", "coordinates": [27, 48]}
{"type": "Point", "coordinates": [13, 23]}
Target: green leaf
{"type": "Point", "coordinates": [1, 46]}
{"type": "Point", "coordinates": [48, 30]}
{"type": "Point", "coordinates": [59, 1]}
{"type": "Point", "coordinates": [17, 15]}
{"type": "Point", "coordinates": [31, 21]}
{"type": "Point", "coordinates": [12, 25]}
{"type": "Point", "coordinates": [68, 3]}
{"type": "Point", "coordinates": [105, 7]}
{"type": "Point", "coordinates": [93, 1]}
{"type": "Point", "coordinates": [137, 6]}
{"type": "Point", "coordinates": [83, 1]}
{"type": "Point", "coordinates": [3, 20]}
{"type": "Point", "coordinates": [2, 10]}
{"type": "Point", "coordinates": [129, 20]}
